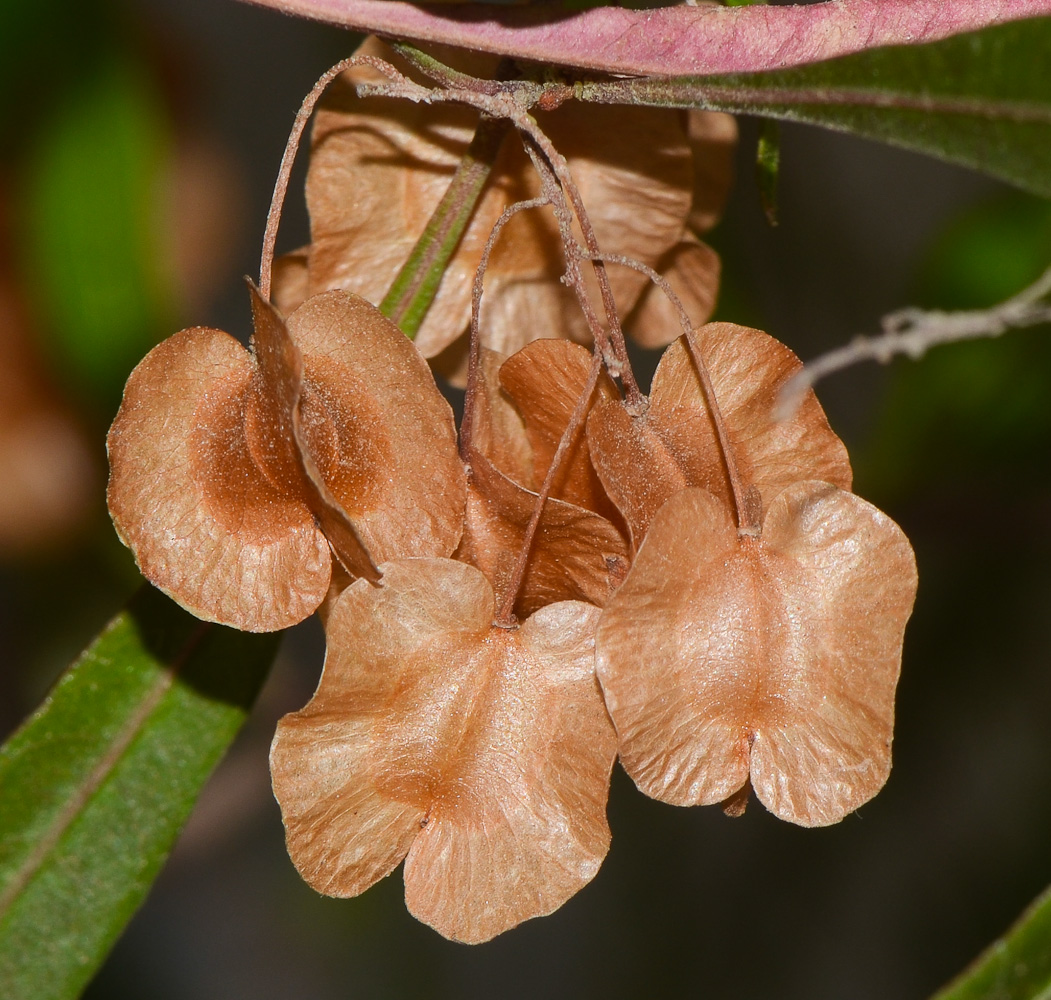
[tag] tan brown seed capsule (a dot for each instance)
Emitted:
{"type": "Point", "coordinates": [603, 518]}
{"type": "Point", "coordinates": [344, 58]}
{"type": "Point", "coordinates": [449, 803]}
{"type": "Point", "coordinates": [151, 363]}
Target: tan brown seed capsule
{"type": "Point", "coordinates": [545, 380]}
{"type": "Point", "coordinates": [480, 755]}
{"type": "Point", "coordinates": [644, 459]}
{"type": "Point", "coordinates": [521, 408]}
{"type": "Point", "coordinates": [235, 475]}
{"type": "Point", "coordinates": [380, 166]}
{"type": "Point", "coordinates": [576, 554]}
{"type": "Point", "coordinates": [773, 659]}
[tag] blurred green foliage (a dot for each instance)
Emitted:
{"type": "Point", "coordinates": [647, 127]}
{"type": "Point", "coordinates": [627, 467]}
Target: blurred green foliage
{"type": "Point", "coordinates": [1015, 967]}
{"type": "Point", "coordinates": [90, 217]}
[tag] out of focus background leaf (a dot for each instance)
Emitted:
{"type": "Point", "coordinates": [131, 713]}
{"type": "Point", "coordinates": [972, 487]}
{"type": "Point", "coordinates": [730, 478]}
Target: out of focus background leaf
{"type": "Point", "coordinates": [976, 410]}
{"type": "Point", "coordinates": [90, 214]}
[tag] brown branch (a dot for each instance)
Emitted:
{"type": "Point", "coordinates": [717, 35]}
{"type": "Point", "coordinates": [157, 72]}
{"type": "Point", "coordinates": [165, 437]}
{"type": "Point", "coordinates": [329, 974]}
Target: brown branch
{"type": "Point", "coordinates": [306, 109]}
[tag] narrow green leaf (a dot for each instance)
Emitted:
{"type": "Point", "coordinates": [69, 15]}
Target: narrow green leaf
{"type": "Point", "coordinates": [1015, 967]}
{"type": "Point", "coordinates": [97, 784]}
{"type": "Point", "coordinates": [768, 167]}
{"type": "Point", "coordinates": [981, 99]}
{"type": "Point", "coordinates": [413, 290]}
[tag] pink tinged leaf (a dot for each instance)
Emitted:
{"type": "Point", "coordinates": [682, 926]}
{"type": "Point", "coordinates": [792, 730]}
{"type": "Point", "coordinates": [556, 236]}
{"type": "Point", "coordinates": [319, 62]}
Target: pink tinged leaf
{"type": "Point", "coordinates": [771, 658]}
{"type": "Point", "coordinates": [672, 41]}
{"type": "Point", "coordinates": [483, 752]}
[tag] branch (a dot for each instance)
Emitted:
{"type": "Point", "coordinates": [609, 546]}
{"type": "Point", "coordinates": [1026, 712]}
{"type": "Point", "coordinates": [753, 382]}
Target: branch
{"type": "Point", "coordinates": [914, 331]}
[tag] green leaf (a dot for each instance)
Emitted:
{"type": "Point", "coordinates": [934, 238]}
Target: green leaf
{"type": "Point", "coordinates": [1015, 967]}
{"type": "Point", "coordinates": [981, 99]}
{"type": "Point", "coordinates": [97, 784]}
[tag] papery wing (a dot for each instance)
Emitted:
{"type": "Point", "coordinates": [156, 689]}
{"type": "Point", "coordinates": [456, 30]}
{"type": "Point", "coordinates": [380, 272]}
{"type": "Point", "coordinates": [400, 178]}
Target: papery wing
{"type": "Point", "coordinates": [378, 169]}
{"type": "Point", "coordinates": [672, 653]}
{"type": "Point", "coordinates": [546, 380]}
{"type": "Point", "coordinates": [206, 525]}
{"type": "Point", "coordinates": [356, 770]}
{"type": "Point", "coordinates": [634, 170]}
{"type": "Point", "coordinates": [520, 825]}
{"type": "Point", "coordinates": [851, 577]}
{"type": "Point", "coordinates": [748, 369]}
{"type": "Point", "coordinates": [638, 471]}
{"type": "Point", "coordinates": [692, 269]}
{"type": "Point", "coordinates": [576, 555]}
{"type": "Point", "coordinates": [393, 467]}
{"type": "Point", "coordinates": [284, 433]}
{"type": "Point", "coordinates": [289, 285]}
{"type": "Point", "coordinates": [777, 655]}
{"type": "Point", "coordinates": [712, 136]}
{"type": "Point", "coordinates": [497, 430]}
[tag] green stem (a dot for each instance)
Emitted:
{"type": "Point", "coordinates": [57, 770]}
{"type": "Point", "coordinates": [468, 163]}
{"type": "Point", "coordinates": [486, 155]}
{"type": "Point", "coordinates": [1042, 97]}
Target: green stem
{"type": "Point", "coordinates": [413, 290]}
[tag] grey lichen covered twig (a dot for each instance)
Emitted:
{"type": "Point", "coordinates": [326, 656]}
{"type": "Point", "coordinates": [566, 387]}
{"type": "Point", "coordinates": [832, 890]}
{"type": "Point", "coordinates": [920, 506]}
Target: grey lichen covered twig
{"type": "Point", "coordinates": [914, 331]}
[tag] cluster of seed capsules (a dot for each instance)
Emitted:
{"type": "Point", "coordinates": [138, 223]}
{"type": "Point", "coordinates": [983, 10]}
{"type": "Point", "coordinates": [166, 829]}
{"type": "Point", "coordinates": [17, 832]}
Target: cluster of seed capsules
{"type": "Point", "coordinates": [692, 586]}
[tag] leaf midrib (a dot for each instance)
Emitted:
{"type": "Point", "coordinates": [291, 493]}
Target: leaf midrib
{"type": "Point", "coordinates": [98, 775]}
{"type": "Point", "coordinates": [845, 97]}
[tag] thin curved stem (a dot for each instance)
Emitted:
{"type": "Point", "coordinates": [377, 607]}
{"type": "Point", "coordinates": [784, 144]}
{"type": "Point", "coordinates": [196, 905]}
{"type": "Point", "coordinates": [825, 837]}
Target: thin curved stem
{"type": "Point", "coordinates": [306, 109]}
{"type": "Point", "coordinates": [474, 357]}
{"type": "Point", "coordinates": [565, 179]}
{"type": "Point", "coordinates": [657, 278]}
{"type": "Point", "coordinates": [571, 253]}
{"type": "Point", "coordinates": [748, 512]}
{"type": "Point", "coordinates": [914, 331]}
{"type": "Point", "coordinates": [506, 105]}
{"type": "Point", "coordinates": [505, 613]}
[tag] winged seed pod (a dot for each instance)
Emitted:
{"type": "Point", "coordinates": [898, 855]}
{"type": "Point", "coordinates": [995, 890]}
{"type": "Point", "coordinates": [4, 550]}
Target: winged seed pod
{"type": "Point", "coordinates": [575, 555]}
{"type": "Point", "coordinates": [545, 380]}
{"type": "Point", "coordinates": [479, 755]}
{"type": "Point", "coordinates": [235, 476]}
{"type": "Point", "coordinates": [379, 167]}
{"type": "Point", "coordinates": [579, 551]}
{"type": "Point", "coordinates": [727, 659]}
{"type": "Point", "coordinates": [645, 459]}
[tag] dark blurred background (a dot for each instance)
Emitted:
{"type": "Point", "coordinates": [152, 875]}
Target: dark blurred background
{"type": "Point", "coordinates": [138, 148]}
